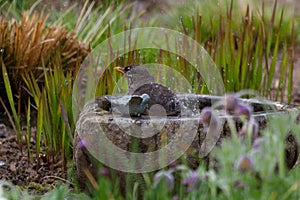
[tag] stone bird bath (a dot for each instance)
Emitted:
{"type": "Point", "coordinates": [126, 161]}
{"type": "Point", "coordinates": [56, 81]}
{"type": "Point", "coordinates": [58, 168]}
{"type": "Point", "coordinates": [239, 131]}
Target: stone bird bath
{"type": "Point", "coordinates": [189, 133]}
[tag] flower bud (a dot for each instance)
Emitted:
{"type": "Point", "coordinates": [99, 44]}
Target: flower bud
{"type": "Point", "coordinates": [244, 163]}
{"type": "Point", "coordinates": [192, 181]}
{"type": "Point", "coordinates": [205, 116]}
{"type": "Point", "coordinates": [243, 110]}
{"type": "Point", "coordinates": [82, 144]}
{"type": "Point", "coordinates": [165, 176]}
{"type": "Point", "coordinates": [231, 102]}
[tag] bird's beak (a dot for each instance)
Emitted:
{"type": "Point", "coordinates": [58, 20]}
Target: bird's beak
{"type": "Point", "coordinates": [120, 69]}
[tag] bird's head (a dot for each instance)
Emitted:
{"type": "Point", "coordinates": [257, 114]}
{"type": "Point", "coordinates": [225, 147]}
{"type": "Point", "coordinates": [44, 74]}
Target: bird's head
{"type": "Point", "coordinates": [136, 76]}
{"type": "Point", "coordinates": [134, 70]}
{"type": "Point", "coordinates": [124, 70]}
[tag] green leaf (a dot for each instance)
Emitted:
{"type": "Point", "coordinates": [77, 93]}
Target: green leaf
{"type": "Point", "coordinates": [16, 124]}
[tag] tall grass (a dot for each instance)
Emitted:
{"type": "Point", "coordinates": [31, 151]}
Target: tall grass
{"type": "Point", "coordinates": [252, 50]}
{"type": "Point", "coordinates": [247, 54]}
{"type": "Point", "coordinates": [40, 59]}
{"type": "Point", "coordinates": [15, 118]}
{"type": "Point", "coordinates": [54, 124]}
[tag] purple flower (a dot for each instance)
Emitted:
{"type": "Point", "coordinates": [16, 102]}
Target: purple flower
{"type": "Point", "coordinates": [236, 108]}
{"type": "Point", "coordinates": [251, 128]}
{"type": "Point", "coordinates": [243, 110]}
{"type": "Point", "coordinates": [192, 181]}
{"type": "Point", "coordinates": [244, 163]}
{"type": "Point", "coordinates": [205, 116]}
{"type": "Point", "coordinates": [82, 144]}
{"type": "Point", "coordinates": [257, 144]}
{"type": "Point", "coordinates": [103, 171]}
{"type": "Point", "coordinates": [239, 185]}
{"type": "Point", "coordinates": [173, 164]}
{"type": "Point", "coordinates": [231, 102]}
{"type": "Point", "coordinates": [175, 197]}
{"type": "Point", "coordinates": [165, 176]}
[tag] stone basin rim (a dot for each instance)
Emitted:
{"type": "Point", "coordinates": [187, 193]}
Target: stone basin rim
{"type": "Point", "coordinates": [200, 101]}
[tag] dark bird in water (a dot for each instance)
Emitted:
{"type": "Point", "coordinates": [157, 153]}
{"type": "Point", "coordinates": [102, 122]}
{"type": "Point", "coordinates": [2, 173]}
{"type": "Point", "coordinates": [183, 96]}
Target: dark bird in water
{"type": "Point", "coordinates": [140, 81]}
{"type": "Point", "coordinates": [129, 105]}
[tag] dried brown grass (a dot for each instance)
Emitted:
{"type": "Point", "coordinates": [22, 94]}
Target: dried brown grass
{"type": "Point", "coordinates": [27, 46]}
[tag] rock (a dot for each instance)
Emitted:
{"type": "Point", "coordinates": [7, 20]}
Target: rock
{"type": "Point", "coordinates": [3, 131]}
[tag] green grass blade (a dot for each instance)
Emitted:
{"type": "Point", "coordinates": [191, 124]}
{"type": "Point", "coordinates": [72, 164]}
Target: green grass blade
{"type": "Point", "coordinates": [17, 125]}
{"type": "Point", "coordinates": [28, 137]}
{"type": "Point", "coordinates": [282, 79]}
{"type": "Point", "coordinates": [274, 57]}
{"type": "Point", "coordinates": [39, 131]}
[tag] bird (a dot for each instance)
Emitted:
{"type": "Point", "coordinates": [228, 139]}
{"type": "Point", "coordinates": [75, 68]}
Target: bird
{"type": "Point", "coordinates": [129, 105]}
{"type": "Point", "coordinates": [140, 81]}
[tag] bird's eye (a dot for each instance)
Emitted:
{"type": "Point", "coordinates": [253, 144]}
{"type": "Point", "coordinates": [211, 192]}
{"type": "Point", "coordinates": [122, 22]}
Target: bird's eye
{"type": "Point", "coordinates": [126, 69]}
{"type": "Point", "coordinates": [129, 68]}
